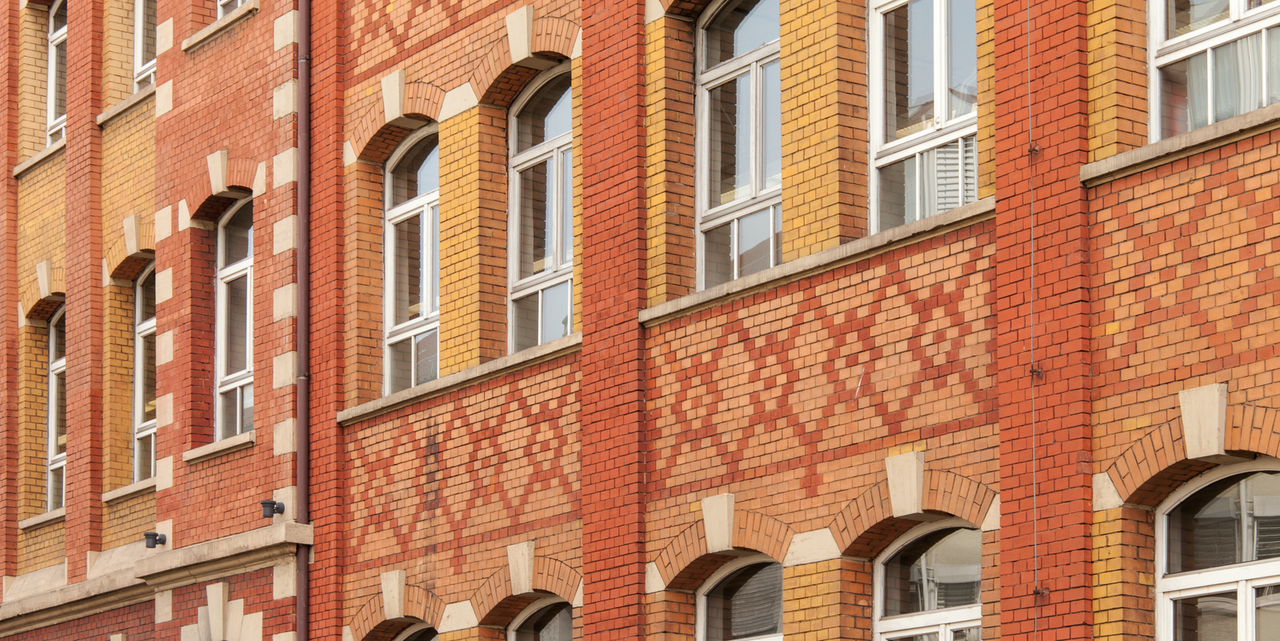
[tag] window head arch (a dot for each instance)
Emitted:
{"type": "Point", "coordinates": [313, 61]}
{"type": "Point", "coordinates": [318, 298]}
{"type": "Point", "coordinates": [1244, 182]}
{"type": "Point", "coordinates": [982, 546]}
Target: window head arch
{"type": "Point", "coordinates": [741, 601]}
{"type": "Point", "coordinates": [234, 368]}
{"type": "Point", "coordinates": [412, 250]}
{"type": "Point", "coordinates": [929, 585]}
{"type": "Point", "coordinates": [545, 620]}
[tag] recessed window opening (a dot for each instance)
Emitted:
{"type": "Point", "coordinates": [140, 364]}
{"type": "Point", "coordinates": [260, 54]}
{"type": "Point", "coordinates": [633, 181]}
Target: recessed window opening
{"type": "Point", "coordinates": [929, 585]}
{"type": "Point", "coordinates": [56, 435]}
{"type": "Point", "coordinates": [742, 601]}
{"type": "Point", "coordinates": [235, 321]}
{"type": "Point", "coordinates": [144, 375]}
{"type": "Point", "coordinates": [412, 301]}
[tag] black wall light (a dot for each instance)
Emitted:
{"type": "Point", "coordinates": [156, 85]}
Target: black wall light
{"type": "Point", "coordinates": [154, 539]}
{"type": "Point", "coordinates": [271, 508]}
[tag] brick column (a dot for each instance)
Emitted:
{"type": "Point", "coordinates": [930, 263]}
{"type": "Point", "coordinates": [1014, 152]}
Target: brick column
{"type": "Point", "coordinates": [613, 252]}
{"type": "Point", "coordinates": [84, 286]}
{"type": "Point", "coordinates": [827, 600]}
{"type": "Point", "coordinates": [9, 295]}
{"type": "Point", "coordinates": [1043, 311]}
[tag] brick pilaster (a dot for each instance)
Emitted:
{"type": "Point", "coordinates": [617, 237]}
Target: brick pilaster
{"type": "Point", "coordinates": [9, 294]}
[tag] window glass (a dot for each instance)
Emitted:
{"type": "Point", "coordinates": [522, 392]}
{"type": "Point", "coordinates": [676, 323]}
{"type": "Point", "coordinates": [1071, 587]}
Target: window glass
{"type": "Point", "coordinates": [548, 114]}
{"type": "Point", "coordinates": [730, 140]}
{"type": "Point", "coordinates": [236, 345]}
{"type": "Point", "coordinates": [58, 340]}
{"type": "Point", "coordinates": [717, 261]}
{"type": "Point", "coordinates": [740, 27]}
{"type": "Point", "coordinates": [1238, 75]}
{"type": "Point", "coordinates": [536, 224]}
{"type": "Point", "coordinates": [1209, 617]}
{"type": "Point", "coordinates": [1185, 16]}
{"type": "Point", "coordinates": [1235, 520]}
{"type": "Point", "coordinates": [908, 69]}
{"type": "Point", "coordinates": [237, 240]}
{"type": "Point", "coordinates": [408, 266]}
{"type": "Point", "coordinates": [418, 172]}
{"type": "Point", "coordinates": [962, 58]}
{"type": "Point", "coordinates": [940, 570]}
{"type": "Point", "coordinates": [59, 19]}
{"type": "Point", "coordinates": [746, 604]}
{"type": "Point", "coordinates": [555, 312]}
{"type": "Point", "coordinates": [147, 376]}
{"type": "Point", "coordinates": [552, 623]}
{"type": "Point", "coordinates": [148, 39]}
{"type": "Point", "coordinates": [146, 301]}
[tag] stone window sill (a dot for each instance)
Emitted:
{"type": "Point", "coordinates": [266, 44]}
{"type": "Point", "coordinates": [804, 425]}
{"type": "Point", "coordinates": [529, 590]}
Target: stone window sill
{"type": "Point", "coordinates": [218, 448]}
{"type": "Point", "coordinates": [127, 491]}
{"type": "Point", "coordinates": [125, 105]}
{"type": "Point", "coordinates": [204, 35]}
{"type": "Point", "coordinates": [40, 157]}
{"type": "Point", "coordinates": [52, 516]}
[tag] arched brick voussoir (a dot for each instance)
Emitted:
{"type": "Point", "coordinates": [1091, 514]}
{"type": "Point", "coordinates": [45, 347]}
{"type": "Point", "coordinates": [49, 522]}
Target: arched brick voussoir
{"type": "Point", "coordinates": [555, 37]}
{"type": "Point", "coordinates": [39, 301]}
{"type": "Point", "coordinates": [865, 526]}
{"type": "Point", "coordinates": [685, 563]}
{"type": "Point", "coordinates": [762, 533]}
{"type": "Point", "coordinates": [373, 139]}
{"type": "Point", "coordinates": [690, 9]}
{"type": "Point", "coordinates": [555, 577]}
{"type": "Point", "coordinates": [209, 206]}
{"type": "Point", "coordinates": [494, 603]}
{"type": "Point", "coordinates": [496, 80]}
{"type": "Point", "coordinates": [420, 605]}
{"type": "Point", "coordinates": [1154, 466]}
{"type": "Point", "coordinates": [961, 496]}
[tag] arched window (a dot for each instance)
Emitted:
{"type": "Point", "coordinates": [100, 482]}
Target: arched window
{"type": "Point", "coordinates": [235, 321]}
{"type": "Point", "coordinates": [144, 375]}
{"type": "Point", "coordinates": [57, 87]}
{"type": "Point", "coordinates": [742, 600]}
{"type": "Point", "coordinates": [1218, 556]}
{"type": "Point", "coordinates": [929, 585]}
{"type": "Point", "coordinates": [545, 620]}
{"type": "Point", "coordinates": [541, 229]}
{"type": "Point", "coordinates": [412, 300]}
{"type": "Point", "coordinates": [739, 141]}
{"type": "Point", "coordinates": [56, 436]}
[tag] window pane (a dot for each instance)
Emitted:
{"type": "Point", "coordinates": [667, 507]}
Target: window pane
{"type": "Point", "coordinates": [146, 299]}
{"type": "Point", "coordinates": [236, 354]}
{"type": "Point", "coordinates": [566, 207]}
{"type": "Point", "coordinates": [1268, 609]}
{"type": "Point", "coordinates": [526, 322]}
{"type": "Point", "coordinates": [59, 19]}
{"type": "Point", "coordinates": [549, 113]}
{"type": "Point", "coordinates": [418, 172]}
{"type": "Point", "coordinates": [1254, 4]}
{"type": "Point", "coordinates": [747, 603]}
{"type": "Point", "coordinates": [535, 219]}
{"type": "Point", "coordinates": [56, 488]}
{"type": "Point", "coordinates": [143, 456]}
{"type": "Point", "coordinates": [967, 634]}
{"type": "Point", "coordinates": [434, 249]}
{"type": "Point", "coordinates": [932, 636]}
{"type": "Point", "coordinates": [426, 352]}
{"type": "Point", "coordinates": [1185, 16]}
{"type": "Point", "coordinates": [408, 265]}
{"type": "Point", "coordinates": [246, 408]}
{"type": "Point", "coordinates": [777, 234]}
{"type": "Point", "coordinates": [1205, 618]}
{"type": "Point", "coordinates": [229, 403]}
{"type": "Point", "coordinates": [718, 262]}
{"type": "Point", "coordinates": [908, 69]}
{"type": "Point", "coordinates": [401, 367]}
{"type": "Point", "coordinates": [58, 341]}
{"type": "Point", "coordinates": [898, 194]}
{"type": "Point", "coordinates": [1273, 68]}
{"type": "Point", "coordinates": [237, 236]}
{"type": "Point", "coordinates": [741, 26]}
{"type": "Point", "coordinates": [1237, 77]}
{"type": "Point", "coordinates": [147, 377]}
{"type": "Point", "coordinates": [148, 31]}
{"type": "Point", "coordinates": [555, 312]}
{"type": "Point", "coordinates": [60, 80]}
{"type": "Point", "coordinates": [730, 140]}
{"type": "Point", "coordinates": [962, 57]}
{"type": "Point", "coordinates": [754, 243]}
{"type": "Point", "coordinates": [940, 570]}
{"type": "Point", "coordinates": [1184, 95]}
{"type": "Point", "coordinates": [60, 414]}
{"type": "Point", "coordinates": [552, 623]}
{"type": "Point", "coordinates": [772, 117]}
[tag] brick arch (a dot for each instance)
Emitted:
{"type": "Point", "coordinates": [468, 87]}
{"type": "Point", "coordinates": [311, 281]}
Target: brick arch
{"type": "Point", "coordinates": [420, 606]}
{"type": "Point", "coordinates": [209, 206]}
{"type": "Point", "coordinates": [373, 139]}
{"type": "Point", "coordinates": [689, 9]}
{"type": "Point", "coordinates": [41, 308]}
{"type": "Point", "coordinates": [685, 563]}
{"type": "Point", "coordinates": [555, 37]}
{"type": "Point", "coordinates": [867, 525]}
{"type": "Point", "coordinates": [123, 264]}
{"type": "Point", "coordinates": [495, 79]}
{"type": "Point", "coordinates": [495, 605]}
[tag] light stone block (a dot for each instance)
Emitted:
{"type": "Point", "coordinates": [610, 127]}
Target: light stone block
{"type": "Point", "coordinates": [284, 370]}
{"type": "Point", "coordinates": [717, 520]}
{"type": "Point", "coordinates": [906, 483]}
{"type": "Point", "coordinates": [284, 167]}
{"type": "Point", "coordinates": [284, 302]}
{"type": "Point", "coordinates": [520, 564]}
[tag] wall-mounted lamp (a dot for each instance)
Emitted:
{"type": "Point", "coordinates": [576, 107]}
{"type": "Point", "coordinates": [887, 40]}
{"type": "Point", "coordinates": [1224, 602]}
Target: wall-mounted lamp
{"type": "Point", "coordinates": [154, 539]}
{"type": "Point", "coordinates": [271, 508]}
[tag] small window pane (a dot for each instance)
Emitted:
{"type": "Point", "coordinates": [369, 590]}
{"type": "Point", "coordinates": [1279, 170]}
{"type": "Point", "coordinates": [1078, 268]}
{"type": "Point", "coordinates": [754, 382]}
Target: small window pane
{"type": "Point", "coordinates": [730, 140]}
{"type": "Point", "coordinates": [547, 115]}
{"type": "Point", "coordinates": [526, 322]}
{"type": "Point", "coordinates": [58, 347]}
{"type": "Point", "coordinates": [229, 406]}
{"type": "Point", "coordinates": [962, 57]}
{"type": "Point", "coordinates": [566, 207]}
{"type": "Point", "coordinates": [146, 301]}
{"type": "Point", "coordinates": [772, 115]}
{"type": "Point", "coordinates": [1185, 16]}
{"type": "Point", "coordinates": [236, 354]}
{"type": "Point", "coordinates": [237, 236]}
{"type": "Point", "coordinates": [931, 636]}
{"type": "Point", "coordinates": [967, 634]}
{"type": "Point", "coordinates": [426, 353]}
{"type": "Point", "coordinates": [740, 27]}
{"type": "Point", "coordinates": [418, 172]}
{"type": "Point", "coordinates": [246, 408]}
{"type": "Point", "coordinates": [940, 570]}
{"type": "Point", "coordinates": [1205, 618]}
{"type": "Point", "coordinates": [147, 377]}
{"type": "Point", "coordinates": [1184, 95]}
{"type": "Point", "coordinates": [1237, 77]}
{"type": "Point", "coordinates": [754, 243]}
{"type": "Point", "coordinates": [434, 249]}
{"type": "Point", "coordinates": [1273, 68]}
{"type": "Point", "coordinates": [56, 488]}
{"type": "Point", "coordinates": [718, 262]}
{"type": "Point", "coordinates": [898, 194]}
{"type": "Point", "coordinates": [148, 31]}
{"type": "Point", "coordinates": [535, 220]}
{"type": "Point", "coordinates": [60, 414]}
{"type": "Point", "coordinates": [555, 312]}
{"type": "Point", "coordinates": [552, 623]}
{"type": "Point", "coordinates": [908, 69]}
{"type": "Point", "coordinates": [144, 457]}
{"type": "Point", "coordinates": [408, 265]}
{"type": "Point", "coordinates": [777, 234]}
{"type": "Point", "coordinates": [401, 368]}
{"type": "Point", "coordinates": [60, 80]}
{"type": "Point", "coordinates": [59, 19]}
{"type": "Point", "coordinates": [746, 604]}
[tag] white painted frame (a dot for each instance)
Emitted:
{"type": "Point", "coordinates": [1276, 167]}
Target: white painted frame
{"type": "Point", "coordinates": [54, 459]}
{"type": "Point", "coordinates": [428, 206]}
{"type": "Point", "coordinates": [534, 608]}
{"type": "Point", "coordinates": [941, 621]}
{"type": "Point", "coordinates": [715, 579]}
{"type": "Point", "coordinates": [56, 126]}
{"type": "Point", "coordinates": [232, 381]}
{"type": "Point", "coordinates": [709, 218]}
{"type": "Point", "coordinates": [144, 71]}
{"type": "Point", "coordinates": [562, 272]}
{"type": "Point", "coordinates": [227, 6]}
{"type": "Point", "coordinates": [1241, 577]}
{"type": "Point", "coordinates": [141, 331]}
{"type": "Point", "coordinates": [942, 132]}
{"type": "Point", "coordinates": [1241, 22]}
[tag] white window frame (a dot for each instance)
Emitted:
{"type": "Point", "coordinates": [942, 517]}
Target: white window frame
{"type": "Point", "coordinates": [227, 6]}
{"type": "Point", "coordinates": [1241, 577]}
{"type": "Point", "coordinates": [714, 580]}
{"type": "Point", "coordinates": [941, 621]}
{"type": "Point", "coordinates": [141, 331]}
{"type": "Point", "coordinates": [1240, 23]}
{"type": "Point", "coordinates": [941, 132]}
{"type": "Point", "coordinates": [562, 272]}
{"type": "Point", "coordinates": [144, 71]}
{"type": "Point", "coordinates": [232, 381]}
{"type": "Point", "coordinates": [758, 199]}
{"type": "Point", "coordinates": [55, 460]}
{"type": "Point", "coordinates": [428, 206]}
{"type": "Point", "coordinates": [532, 609]}
{"type": "Point", "coordinates": [55, 126]}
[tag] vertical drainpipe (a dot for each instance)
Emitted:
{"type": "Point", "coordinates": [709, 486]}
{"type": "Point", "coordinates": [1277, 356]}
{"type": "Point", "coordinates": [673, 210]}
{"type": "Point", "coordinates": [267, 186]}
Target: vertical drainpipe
{"type": "Point", "coordinates": [302, 388]}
